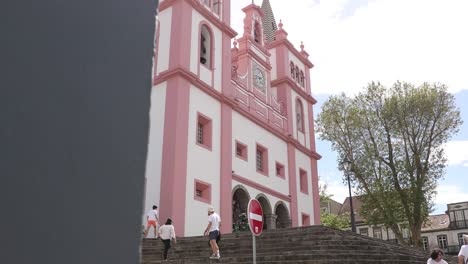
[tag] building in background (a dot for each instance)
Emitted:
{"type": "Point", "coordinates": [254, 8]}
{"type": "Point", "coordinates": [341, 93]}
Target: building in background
{"type": "Point", "coordinates": [231, 119]}
{"type": "Point", "coordinates": [443, 231]}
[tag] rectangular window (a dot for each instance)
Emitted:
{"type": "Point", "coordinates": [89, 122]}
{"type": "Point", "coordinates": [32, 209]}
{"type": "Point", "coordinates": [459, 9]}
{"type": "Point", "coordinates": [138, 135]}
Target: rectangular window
{"type": "Point", "coordinates": [377, 232]}
{"type": "Point", "coordinates": [442, 241]}
{"type": "Point", "coordinates": [460, 239]}
{"type": "Point", "coordinates": [241, 150]}
{"type": "Point", "coordinates": [303, 181]}
{"type": "Point", "coordinates": [425, 242]}
{"type": "Point", "coordinates": [305, 219]}
{"type": "Point", "coordinates": [280, 170]}
{"type": "Point", "coordinates": [202, 191]}
{"type": "Point", "coordinates": [200, 133]}
{"type": "Point", "coordinates": [261, 160]}
{"type": "Point", "coordinates": [460, 220]}
{"type": "Point", "coordinates": [204, 130]}
{"type": "Point", "coordinates": [364, 231]}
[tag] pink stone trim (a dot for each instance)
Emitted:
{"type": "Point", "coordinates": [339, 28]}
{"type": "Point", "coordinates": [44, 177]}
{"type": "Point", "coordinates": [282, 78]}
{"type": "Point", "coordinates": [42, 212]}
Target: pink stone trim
{"type": "Point", "coordinates": [180, 48]}
{"type": "Point", "coordinates": [260, 60]}
{"type": "Point", "coordinates": [305, 219]}
{"type": "Point", "coordinates": [206, 197]}
{"type": "Point", "coordinates": [174, 149]}
{"type": "Point", "coordinates": [292, 183]}
{"type": "Point", "coordinates": [226, 123]}
{"type": "Point", "coordinates": [226, 168]}
{"type": "Point", "coordinates": [216, 95]}
{"type": "Point", "coordinates": [261, 188]}
{"type": "Point", "coordinates": [310, 117]}
{"type": "Point", "coordinates": [290, 46]}
{"type": "Point", "coordinates": [195, 4]}
{"type": "Point", "coordinates": [288, 81]}
{"type": "Point", "coordinates": [315, 192]}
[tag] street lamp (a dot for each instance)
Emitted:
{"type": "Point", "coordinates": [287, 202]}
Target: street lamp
{"type": "Point", "coordinates": [347, 167]}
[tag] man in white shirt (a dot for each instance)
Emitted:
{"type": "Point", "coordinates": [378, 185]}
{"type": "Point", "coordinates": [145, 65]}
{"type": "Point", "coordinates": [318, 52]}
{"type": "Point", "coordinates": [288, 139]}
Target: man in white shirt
{"type": "Point", "coordinates": [214, 222]}
{"type": "Point", "coordinates": [463, 254]}
{"type": "Point", "coordinates": [152, 219]}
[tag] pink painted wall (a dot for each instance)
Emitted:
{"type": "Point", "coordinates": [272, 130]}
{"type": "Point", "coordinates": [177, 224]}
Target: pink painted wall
{"type": "Point", "coordinates": [174, 172]}
{"type": "Point", "coordinates": [179, 80]}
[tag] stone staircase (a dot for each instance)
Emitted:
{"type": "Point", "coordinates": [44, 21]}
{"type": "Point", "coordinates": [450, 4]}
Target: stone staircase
{"type": "Point", "coordinates": [311, 244]}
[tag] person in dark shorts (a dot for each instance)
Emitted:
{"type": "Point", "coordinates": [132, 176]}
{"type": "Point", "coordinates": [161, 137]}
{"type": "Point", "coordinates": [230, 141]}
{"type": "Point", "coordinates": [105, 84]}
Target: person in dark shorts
{"type": "Point", "coordinates": [214, 222]}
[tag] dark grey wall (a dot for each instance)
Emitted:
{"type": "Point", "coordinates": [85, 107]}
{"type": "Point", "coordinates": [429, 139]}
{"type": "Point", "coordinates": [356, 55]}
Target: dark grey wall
{"type": "Point", "coordinates": [74, 106]}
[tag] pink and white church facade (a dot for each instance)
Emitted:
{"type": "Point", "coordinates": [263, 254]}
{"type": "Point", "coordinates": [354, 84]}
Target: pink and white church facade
{"type": "Point", "coordinates": [231, 119]}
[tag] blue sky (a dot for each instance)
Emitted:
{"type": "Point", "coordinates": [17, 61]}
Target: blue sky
{"type": "Point", "coordinates": [353, 42]}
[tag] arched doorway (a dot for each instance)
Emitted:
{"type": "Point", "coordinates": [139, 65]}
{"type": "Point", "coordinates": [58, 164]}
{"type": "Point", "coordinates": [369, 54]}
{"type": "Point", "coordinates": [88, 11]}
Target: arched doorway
{"type": "Point", "coordinates": [282, 216]}
{"type": "Point", "coordinates": [268, 217]}
{"type": "Point", "coordinates": [240, 200]}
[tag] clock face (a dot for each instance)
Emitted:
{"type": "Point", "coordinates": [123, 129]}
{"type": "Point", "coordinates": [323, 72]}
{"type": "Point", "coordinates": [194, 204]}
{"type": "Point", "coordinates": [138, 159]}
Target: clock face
{"type": "Point", "coordinates": [259, 78]}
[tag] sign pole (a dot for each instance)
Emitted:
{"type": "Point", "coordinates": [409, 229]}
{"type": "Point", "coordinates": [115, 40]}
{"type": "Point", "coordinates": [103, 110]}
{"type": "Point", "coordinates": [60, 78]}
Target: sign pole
{"type": "Point", "coordinates": [255, 216]}
{"type": "Point", "coordinates": [254, 250]}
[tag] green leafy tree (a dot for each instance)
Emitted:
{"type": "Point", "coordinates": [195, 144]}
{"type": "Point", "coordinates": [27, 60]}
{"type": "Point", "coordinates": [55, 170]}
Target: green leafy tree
{"type": "Point", "coordinates": [335, 221]}
{"type": "Point", "coordinates": [394, 139]}
{"type": "Point", "coordinates": [328, 219]}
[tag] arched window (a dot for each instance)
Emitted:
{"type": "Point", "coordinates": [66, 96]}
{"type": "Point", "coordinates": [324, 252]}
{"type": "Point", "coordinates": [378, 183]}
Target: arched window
{"type": "Point", "coordinates": [205, 47]}
{"type": "Point", "coordinates": [299, 116]}
{"type": "Point", "coordinates": [292, 69]}
{"type": "Point", "coordinates": [302, 78]}
{"type": "Point", "coordinates": [257, 33]}
{"type": "Point", "coordinates": [297, 74]}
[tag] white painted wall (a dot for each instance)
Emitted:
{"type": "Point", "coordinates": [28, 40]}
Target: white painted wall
{"type": "Point", "coordinates": [304, 201]}
{"type": "Point", "coordinates": [274, 67]}
{"type": "Point", "coordinates": [452, 237]}
{"type": "Point", "coordinates": [249, 133]}
{"type": "Point", "coordinates": [154, 159]}
{"type": "Point", "coordinates": [304, 139]}
{"type": "Point", "coordinates": [205, 75]}
{"type": "Point", "coordinates": [202, 164]}
{"type": "Point", "coordinates": [195, 60]}
{"type": "Point", "coordinates": [165, 18]}
{"type": "Point", "coordinates": [254, 192]}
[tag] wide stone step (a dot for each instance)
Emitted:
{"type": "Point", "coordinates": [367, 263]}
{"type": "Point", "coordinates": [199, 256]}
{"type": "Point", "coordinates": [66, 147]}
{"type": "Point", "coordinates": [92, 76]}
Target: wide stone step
{"type": "Point", "coordinates": [315, 244]}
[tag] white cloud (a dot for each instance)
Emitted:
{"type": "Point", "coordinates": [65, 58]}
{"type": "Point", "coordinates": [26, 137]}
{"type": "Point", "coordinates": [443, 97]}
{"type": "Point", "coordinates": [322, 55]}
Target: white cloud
{"type": "Point", "coordinates": [416, 41]}
{"type": "Point", "coordinates": [450, 194]}
{"type": "Point", "coordinates": [337, 189]}
{"type": "Point", "coordinates": [456, 152]}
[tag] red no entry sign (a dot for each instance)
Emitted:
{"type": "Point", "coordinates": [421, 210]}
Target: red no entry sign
{"type": "Point", "coordinates": [255, 216]}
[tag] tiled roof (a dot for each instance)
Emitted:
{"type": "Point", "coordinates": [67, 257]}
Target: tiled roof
{"type": "Point", "coordinates": [436, 222]}
{"type": "Point", "coordinates": [269, 23]}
